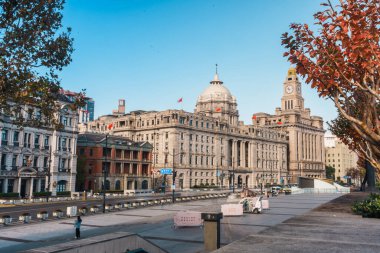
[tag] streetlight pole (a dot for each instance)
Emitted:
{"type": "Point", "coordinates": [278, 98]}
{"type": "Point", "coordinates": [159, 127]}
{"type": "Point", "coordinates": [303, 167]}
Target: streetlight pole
{"type": "Point", "coordinates": [105, 176]}
{"type": "Point", "coordinates": [48, 177]}
{"type": "Point", "coordinates": [233, 176]}
{"type": "Point", "coordinates": [174, 175]}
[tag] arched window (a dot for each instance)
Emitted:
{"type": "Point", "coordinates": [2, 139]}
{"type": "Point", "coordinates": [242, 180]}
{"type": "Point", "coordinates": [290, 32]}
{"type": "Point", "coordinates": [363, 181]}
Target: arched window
{"type": "Point", "coordinates": [61, 186]}
{"type": "Point", "coordinates": [144, 184]}
{"type": "Point", "coordinates": [117, 185]}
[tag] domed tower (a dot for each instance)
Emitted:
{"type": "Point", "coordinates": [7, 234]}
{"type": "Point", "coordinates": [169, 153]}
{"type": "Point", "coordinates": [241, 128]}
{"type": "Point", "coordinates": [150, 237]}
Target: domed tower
{"type": "Point", "coordinates": [217, 101]}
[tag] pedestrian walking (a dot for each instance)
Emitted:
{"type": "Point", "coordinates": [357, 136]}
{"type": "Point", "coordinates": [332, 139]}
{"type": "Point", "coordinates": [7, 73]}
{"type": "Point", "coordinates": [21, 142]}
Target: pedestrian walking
{"type": "Point", "coordinates": [77, 224]}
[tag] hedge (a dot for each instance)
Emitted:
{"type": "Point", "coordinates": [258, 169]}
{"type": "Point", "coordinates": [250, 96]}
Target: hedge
{"type": "Point", "coordinates": [9, 195]}
{"type": "Point", "coordinates": [41, 194]}
{"type": "Point", "coordinates": [369, 207]}
{"type": "Point", "coordinates": [66, 193]}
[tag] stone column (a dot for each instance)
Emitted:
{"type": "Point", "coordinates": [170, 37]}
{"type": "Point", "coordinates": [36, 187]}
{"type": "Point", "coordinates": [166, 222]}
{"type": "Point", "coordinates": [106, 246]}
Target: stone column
{"type": "Point", "coordinates": [38, 188]}
{"type": "Point", "coordinates": [254, 156]}
{"type": "Point", "coordinates": [5, 185]}
{"type": "Point", "coordinates": [242, 154]}
{"type": "Point", "coordinates": [19, 186]}
{"type": "Point", "coordinates": [31, 188]}
{"type": "Point", "coordinates": [250, 155]}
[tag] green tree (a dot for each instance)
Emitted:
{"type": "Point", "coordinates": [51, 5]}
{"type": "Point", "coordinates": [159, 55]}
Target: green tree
{"type": "Point", "coordinates": [342, 62]}
{"type": "Point", "coordinates": [34, 47]}
{"type": "Point", "coordinates": [330, 172]}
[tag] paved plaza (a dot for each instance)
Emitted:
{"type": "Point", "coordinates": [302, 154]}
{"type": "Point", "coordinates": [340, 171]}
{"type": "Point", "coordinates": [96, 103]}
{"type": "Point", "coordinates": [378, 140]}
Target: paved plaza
{"type": "Point", "coordinates": [156, 224]}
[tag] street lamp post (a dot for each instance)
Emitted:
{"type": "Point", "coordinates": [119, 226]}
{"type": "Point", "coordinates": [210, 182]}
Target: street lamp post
{"type": "Point", "coordinates": [105, 175]}
{"type": "Point", "coordinates": [233, 176]}
{"type": "Point", "coordinates": [48, 177]}
{"type": "Point", "coordinates": [174, 174]}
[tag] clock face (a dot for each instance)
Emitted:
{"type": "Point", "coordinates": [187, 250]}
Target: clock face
{"type": "Point", "coordinates": [289, 89]}
{"type": "Point", "coordinates": [299, 88]}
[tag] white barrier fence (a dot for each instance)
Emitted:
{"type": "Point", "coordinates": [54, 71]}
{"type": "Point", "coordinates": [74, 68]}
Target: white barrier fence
{"type": "Point", "coordinates": [296, 190]}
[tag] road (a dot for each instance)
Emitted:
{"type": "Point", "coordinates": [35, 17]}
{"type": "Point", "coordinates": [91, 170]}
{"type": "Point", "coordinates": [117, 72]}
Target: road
{"type": "Point", "coordinates": [155, 223]}
{"type": "Point", "coordinates": [34, 208]}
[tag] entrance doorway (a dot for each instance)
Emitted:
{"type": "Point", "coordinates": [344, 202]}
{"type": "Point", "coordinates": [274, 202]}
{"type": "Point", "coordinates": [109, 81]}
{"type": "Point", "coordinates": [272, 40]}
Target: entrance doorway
{"type": "Point", "coordinates": [23, 188]}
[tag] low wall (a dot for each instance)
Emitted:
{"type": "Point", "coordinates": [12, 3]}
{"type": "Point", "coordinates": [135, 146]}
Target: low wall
{"type": "Point", "coordinates": [108, 243]}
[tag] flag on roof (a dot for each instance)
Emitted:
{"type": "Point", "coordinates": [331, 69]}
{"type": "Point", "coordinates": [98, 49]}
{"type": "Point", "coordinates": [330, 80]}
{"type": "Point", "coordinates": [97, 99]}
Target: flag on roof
{"type": "Point", "coordinates": [218, 109]}
{"type": "Point", "coordinates": [180, 100]}
{"type": "Point", "coordinates": [279, 122]}
{"type": "Point", "coordinates": [254, 117]}
{"type": "Point", "coordinates": [110, 126]}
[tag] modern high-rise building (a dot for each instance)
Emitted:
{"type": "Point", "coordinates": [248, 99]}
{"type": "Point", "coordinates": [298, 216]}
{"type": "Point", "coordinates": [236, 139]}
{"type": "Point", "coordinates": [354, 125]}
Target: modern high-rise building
{"type": "Point", "coordinates": [339, 156]}
{"type": "Point", "coordinates": [87, 112]}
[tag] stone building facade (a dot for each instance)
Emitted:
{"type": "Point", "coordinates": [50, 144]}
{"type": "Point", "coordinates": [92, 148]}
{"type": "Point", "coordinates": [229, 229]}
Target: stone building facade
{"type": "Point", "coordinates": [339, 156]}
{"type": "Point", "coordinates": [128, 163]}
{"type": "Point", "coordinates": [30, 156]}
{"type": "Point", "coordinates": [305, 132]}
{"type": "Point", "coordinates": [208, 147]}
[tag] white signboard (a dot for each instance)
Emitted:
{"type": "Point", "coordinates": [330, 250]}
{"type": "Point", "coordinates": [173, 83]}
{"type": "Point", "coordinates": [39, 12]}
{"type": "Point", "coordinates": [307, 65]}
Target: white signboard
{"type": "Point", "coordinates": [232, 209]}
{"type": "Point", "coordinates": [265, 204]}
{"type": "Point", "coordinates": [187, 219]}
{"type": "Point", "coordinates": [71, 211]}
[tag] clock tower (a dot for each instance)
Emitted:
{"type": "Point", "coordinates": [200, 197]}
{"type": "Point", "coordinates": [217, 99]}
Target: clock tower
{"type": "Point", "coordinates": [292, 98]}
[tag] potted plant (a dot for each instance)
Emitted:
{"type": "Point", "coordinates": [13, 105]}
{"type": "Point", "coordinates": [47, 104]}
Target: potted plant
{"type": "Point", "coordinates": [25, 217]}
{"type": "Point", "coordinates": [43, 215]}
{"type": "Point", "coordinates": [58, 213]}
{"type": "Point", "coordinates": [6, 219]}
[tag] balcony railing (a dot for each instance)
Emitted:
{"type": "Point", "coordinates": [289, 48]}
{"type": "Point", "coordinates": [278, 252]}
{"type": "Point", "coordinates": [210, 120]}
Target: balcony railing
{"type": "Point", "coordinates": [36, 145]}
{"type": "Point", "coordinates": [3, 167]}
{"type": "Point", "coordinates": [14, 167]}
{"type": "Point", "coordinates": [4, 142]}
{"type": "Point", "coordinates": [47, 147]}
{"type": "Point", "coordinates": [64, 149]}
{"type": "Point", "coordinates": [16, 143]}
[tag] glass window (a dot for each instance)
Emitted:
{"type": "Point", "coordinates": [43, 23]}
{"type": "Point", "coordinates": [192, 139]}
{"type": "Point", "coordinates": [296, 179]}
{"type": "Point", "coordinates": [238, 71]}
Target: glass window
{"type": "Point", "coordinates": [4, 136]}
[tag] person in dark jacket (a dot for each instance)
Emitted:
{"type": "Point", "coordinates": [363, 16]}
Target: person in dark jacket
{"type": "Point", "coordinates": [77, 225]}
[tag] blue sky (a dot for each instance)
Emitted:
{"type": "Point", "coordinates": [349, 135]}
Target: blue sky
{"type": "Point", "coordinates": [152, 52]}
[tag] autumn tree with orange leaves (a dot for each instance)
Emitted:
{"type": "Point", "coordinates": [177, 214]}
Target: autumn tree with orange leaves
{"type": "Point", "coordinates": [342, 62]}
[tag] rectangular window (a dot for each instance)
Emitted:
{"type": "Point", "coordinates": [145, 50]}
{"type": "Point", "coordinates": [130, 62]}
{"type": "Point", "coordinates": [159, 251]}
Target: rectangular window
{"type": "Point", "coordinates": [35, 161]}
{"type": "Point", "coordinates": [46, 162]}
{"type": "Point", "coordinates": [37, 141]}
{"type": "Point", "coordinates": [4, 137]}
{"type": "Point", "coordinates": [25, 161]}
{"type": "Point", "coordinates": [14, 161]}
{"type": "Point", "coordinates": [15, 138]}
{"type": "Point", "coordinates": [3, 161]}
{"type": "Point", "coordinates": [64, 144]}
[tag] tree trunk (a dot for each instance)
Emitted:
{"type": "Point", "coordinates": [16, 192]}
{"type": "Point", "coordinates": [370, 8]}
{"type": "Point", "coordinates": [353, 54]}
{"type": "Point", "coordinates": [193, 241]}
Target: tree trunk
{"type": "Point", "coordinates": [362, 187]}
{"type": "Point", "coordinates": [370, 170]}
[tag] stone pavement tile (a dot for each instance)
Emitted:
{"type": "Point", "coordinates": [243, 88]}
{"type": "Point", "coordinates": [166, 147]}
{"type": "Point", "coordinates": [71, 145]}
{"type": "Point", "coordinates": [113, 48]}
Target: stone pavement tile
{"type": "Point", "coordinates": [183, 247]}
{"type": "Point", "coordinates": [281, 244]}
